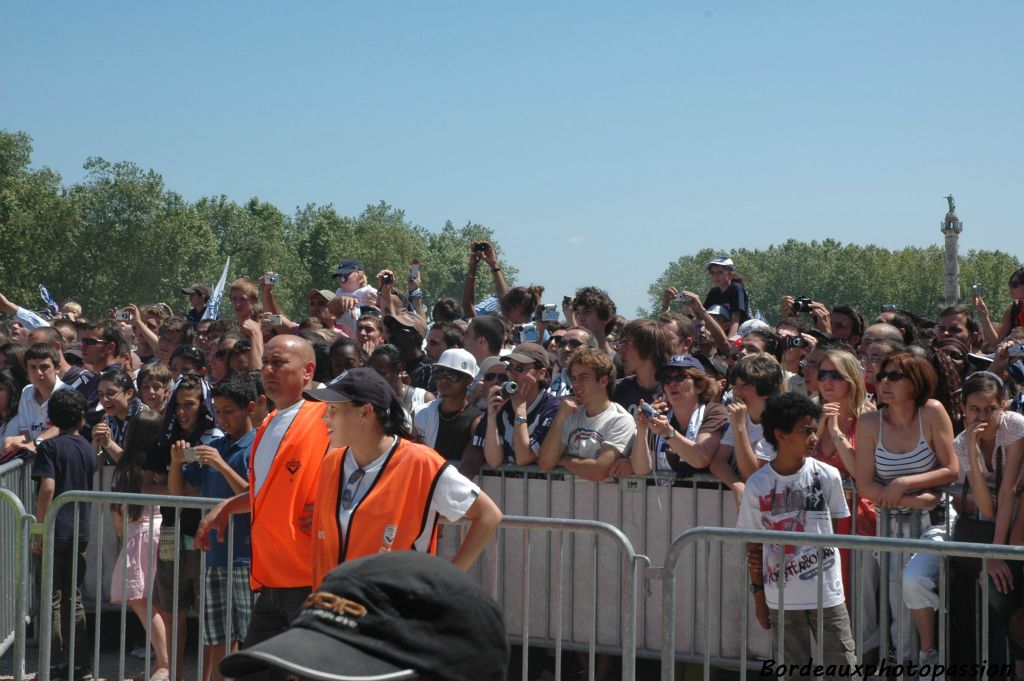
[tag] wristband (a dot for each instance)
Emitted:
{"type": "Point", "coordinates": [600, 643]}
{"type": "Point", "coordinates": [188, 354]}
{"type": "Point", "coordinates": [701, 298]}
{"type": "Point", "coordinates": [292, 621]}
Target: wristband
{"type": "Point", "coordinates": [754, 588]}
{"type": "Point", "coordinates": [520, 419]}
{"type": "Point", "coordinates": [671, 434]}
{"type": "Point", "coordinates": [495, 269]}
{"type": "Point", "coordinates": [839, 438]}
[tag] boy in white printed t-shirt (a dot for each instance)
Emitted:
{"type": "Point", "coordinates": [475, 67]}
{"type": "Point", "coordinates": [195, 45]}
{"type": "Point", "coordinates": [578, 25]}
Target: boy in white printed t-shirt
{"type": "Point", "coordinates": [589, 431]}
{"type": "Point", "coordinates": [798, 493]}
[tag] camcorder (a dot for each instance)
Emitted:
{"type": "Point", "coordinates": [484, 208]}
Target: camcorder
{"type": "Point", "coordinates": [550, 313]}
{"type": "Point", "coordinates": [527, 333]}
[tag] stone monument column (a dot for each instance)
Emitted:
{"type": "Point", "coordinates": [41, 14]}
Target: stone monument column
{"type": "Point", "coordinates": [951, 227]}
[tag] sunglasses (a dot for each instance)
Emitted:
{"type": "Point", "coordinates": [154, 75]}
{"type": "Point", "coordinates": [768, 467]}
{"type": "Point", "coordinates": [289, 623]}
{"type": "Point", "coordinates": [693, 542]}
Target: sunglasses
{"type": "Point", "coordinates": [94, 341]}
{"type": "Point", "coordinates": [829, 373]}
{"type": "Point", "coordinates": [519, 368]}
{"type": "Point", "coordinates": [348, 495]}
{"type": "Point", "coordinates": [495, 377]}
{"type": "Point", "coordinates": [447, 375]}
{"type": "Point", "coordinates": [571, 343]}
{"type": "Point", "coordinates": [672, 378]}
{"type": "Point", "coordinates": [890, 376]}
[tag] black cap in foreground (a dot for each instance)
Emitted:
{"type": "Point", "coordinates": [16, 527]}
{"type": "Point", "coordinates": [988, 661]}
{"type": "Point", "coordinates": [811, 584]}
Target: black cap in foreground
{"type": "Point", "coordinates": [361, 384]}
{"type": "Point", "coordinates": [387, 617]}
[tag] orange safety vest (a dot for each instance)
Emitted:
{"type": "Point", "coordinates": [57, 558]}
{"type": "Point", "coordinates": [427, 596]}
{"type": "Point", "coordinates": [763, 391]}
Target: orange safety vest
{"type": "Point", "coordinates": [280, 550]}
{"type": "Point", "coordinates": [391, 516]}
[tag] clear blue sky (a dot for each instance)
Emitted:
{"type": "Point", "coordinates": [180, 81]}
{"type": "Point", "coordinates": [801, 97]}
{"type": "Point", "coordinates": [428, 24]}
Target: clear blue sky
{"type": "Point", "coordinates": [600, 140]}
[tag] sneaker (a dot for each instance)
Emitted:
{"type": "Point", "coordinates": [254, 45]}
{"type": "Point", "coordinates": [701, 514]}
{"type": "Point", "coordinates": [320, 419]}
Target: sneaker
{"type": "Point", "coordinates": [928, 657]}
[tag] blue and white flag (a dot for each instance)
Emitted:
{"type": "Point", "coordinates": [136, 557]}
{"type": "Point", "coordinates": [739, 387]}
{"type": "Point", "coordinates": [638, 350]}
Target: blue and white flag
{"type": "Point", "coordinates": [51, 304]}
{"type": "Point", "coordinates": [213, 304]}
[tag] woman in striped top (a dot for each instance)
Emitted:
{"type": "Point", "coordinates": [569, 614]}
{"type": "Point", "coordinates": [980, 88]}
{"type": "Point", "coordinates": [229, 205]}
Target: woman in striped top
{"type": "Point", "coordinates": [903, 452]}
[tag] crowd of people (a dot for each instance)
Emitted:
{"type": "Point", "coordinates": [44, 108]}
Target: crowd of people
{"type": "Point", "coordinates": [351, 430]}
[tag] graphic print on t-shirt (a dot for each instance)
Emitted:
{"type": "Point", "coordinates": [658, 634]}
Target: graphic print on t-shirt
{"type": "Point", "coordinates": [787, 510]}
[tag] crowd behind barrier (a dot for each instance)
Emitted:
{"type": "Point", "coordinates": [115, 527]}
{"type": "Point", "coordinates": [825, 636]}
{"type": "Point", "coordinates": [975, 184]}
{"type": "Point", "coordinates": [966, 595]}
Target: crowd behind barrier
{"type": "Point", "coordinates": [736, 421]}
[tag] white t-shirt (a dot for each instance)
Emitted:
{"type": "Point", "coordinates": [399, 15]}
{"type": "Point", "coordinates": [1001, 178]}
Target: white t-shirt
{"type": "Point", "coordinates": [584, 436]}
{"type": "Point", "coordinates": [271, 440]}
{"type": "Point", "coordinates": [367, 295]}
{"type": "Point", "coordinates": [453, 494]}
{"type": "Point", "coordinates": [32, 416]}
{"type": "Point", "coordinates": [763, 449]}
{"type": "Point", "coordinates": [806, 501]}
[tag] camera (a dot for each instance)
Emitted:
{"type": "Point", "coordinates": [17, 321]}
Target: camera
{"type": "Point", "coordinates": [509, 388]}
{"type": "Point", "coordinates": [649, 411]}
{"type": "Point", "coordinates": [566, 300]}
{"type": "Point", "coordinates": [191, 455]}
{"type": "Point", "coordinates": [387, 278]}
{"type": "Point", "coordinates": [271, 279]}
{"type": "Point", "coordinates": [123, 316]}
{"type": "Point", "coordinates": [550, 313]}
{"type": "Point", "coordinates": [976, 290]}
{"type": "Point", "coordinates": [802, 304]}
{"type": "Point", "coordinates": [888, 308]}
{"type": "Point", "coordinates": [796, 342]}
{"type": "Point", "coordinates": [527, 333]}
{"type": "Point", "coordinates": [1016, 350]}
{"type": "Point", "coordinates": [481, 247]}
{"type": "Point", "coordinates": [275, 320]}
{"type": "Point", "coordinates": [414, 269]}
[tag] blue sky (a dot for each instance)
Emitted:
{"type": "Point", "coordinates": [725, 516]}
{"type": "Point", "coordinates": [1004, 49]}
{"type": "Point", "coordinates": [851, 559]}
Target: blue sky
{"type": "Point", "coordinates": [600, 140]}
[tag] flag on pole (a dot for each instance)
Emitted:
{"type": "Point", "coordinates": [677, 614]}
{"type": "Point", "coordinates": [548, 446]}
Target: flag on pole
{"type": "Point", "coordinates": [213, 304]}
{"type": "Point", "coordinates": [51, 304]}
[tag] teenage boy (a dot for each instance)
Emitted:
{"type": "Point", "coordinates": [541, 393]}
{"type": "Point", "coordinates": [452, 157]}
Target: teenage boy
{"type": "Point", "coordinates": [755, 378]}
{"type": "Point", "coordinates": [796, 492]}
{"type": "Point", "coordinates": [589, 431]}
{"type": "Point", "coordinates": [198, 296]}
{"type": "Point", "coordinates": [66, 463]}
{"type": "Point", "coordinates": [32, 422]}
{"type": "Point", "coordinates": [644, 348]}
{"type": "Point", "coordinates": [594, 310]}
{"type": "Point", "coordinates": [446, 423]}
{"type": "Point", "coordinates": [220, 470]}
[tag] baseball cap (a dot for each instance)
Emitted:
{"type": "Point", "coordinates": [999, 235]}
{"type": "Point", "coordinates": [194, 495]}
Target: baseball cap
{"type": "Point", "coordinates": [713, 366]}
{"type": "Point", "coordinates": [396, 615]}
{"type": "Point", "coordinates": [750, 325]}
{"type": "Point", "coordinates": [349, 266]}
{"type": "Point", "coordinates": [528, 353]}
{"type": "Point", "coordinates": [720, 311]}
{"type": "Point", "coordinates": [488, 364]}
{"type": "Point", "coordinates": [408, 320]}
{"type": "Point", "coordinates": [458, 359]}
{"type": "Point", "coordinates": [201, 289]}
{"type": "Point", "coordinates": [722, 261]}
{"type": "Point", "coordinates": [361, 384]}
{"type": "Point", "coordinates": [323, 293]}
{"type": "Point", "coordinates": [679, 362]}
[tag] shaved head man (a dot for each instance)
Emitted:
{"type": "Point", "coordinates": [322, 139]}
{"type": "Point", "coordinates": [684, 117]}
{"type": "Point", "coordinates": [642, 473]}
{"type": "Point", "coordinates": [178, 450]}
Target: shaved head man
{"type": "Point", "coordinates": [879, 332]}
{"type": "Point", "coordinates": [283, 471]}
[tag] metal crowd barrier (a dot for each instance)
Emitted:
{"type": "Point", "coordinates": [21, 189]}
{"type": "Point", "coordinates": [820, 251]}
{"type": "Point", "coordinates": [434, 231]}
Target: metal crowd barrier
{"type": "Point", "coordinates": [15, 526]}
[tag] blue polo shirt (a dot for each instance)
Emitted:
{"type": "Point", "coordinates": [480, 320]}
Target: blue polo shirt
{"type": "Point", "coordinates": [214, 485]}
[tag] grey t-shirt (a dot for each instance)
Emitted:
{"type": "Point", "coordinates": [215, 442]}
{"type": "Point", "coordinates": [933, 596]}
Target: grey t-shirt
{"type": "Point", "coordinates": [584, 436]}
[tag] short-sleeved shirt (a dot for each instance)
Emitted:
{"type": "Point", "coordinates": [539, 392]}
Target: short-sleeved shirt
{"type": "Point", "coordinates": [628, 393]}
{"type": "Point", "coordinates": [1011, 429]}
{"type": "Point", "coordinates": [71, 462]}
{"type": "Point", "coordinates": [158, 460]}
{"type": "Point", "coordinates": [734, 297]}
{"type": "Point", "coordinates": [539, 416]}
{"type": "Point", "coordinates": [805, 501]}
{"type": "Point", "coordinates": [763, 449]}
{"type": "Point", "coordinates": [213, 485]}
{"type": "Point", "coordinates": [715, 417]}
{"type": "Point", "coordinates": [585, 436]}
{"type": "Point", "coordinates": [32, 416]}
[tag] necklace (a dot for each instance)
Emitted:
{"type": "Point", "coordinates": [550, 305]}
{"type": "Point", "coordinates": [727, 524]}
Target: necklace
{"type": "Point", "coordinates": [453, 416]}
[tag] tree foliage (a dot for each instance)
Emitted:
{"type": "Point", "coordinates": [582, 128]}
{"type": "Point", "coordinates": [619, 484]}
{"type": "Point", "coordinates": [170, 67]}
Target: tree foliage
{"type": "Point", "coordinates": [122, 236]}
{"type": "Point", "coordinates": [832, 272]}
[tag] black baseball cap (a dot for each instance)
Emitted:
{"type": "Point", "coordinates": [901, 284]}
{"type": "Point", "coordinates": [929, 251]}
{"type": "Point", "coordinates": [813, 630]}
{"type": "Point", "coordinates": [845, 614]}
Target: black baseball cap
{"type": "Point", "coordinates": [393, 616]}
{"type": "Point", "coordinates": [201, 289]}
{"type": "Point", "coordinates": [361, 384]}
{"type": "Point", "coordinates": [348, 266]}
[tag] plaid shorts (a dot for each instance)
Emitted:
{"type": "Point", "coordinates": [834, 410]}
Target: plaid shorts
{"type": "Point", "coordinates": [214, 626]}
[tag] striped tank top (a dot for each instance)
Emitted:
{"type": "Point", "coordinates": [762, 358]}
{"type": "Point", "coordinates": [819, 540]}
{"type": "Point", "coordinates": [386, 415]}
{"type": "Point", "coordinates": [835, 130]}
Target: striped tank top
{"type": "Point", "coordinates": [892, 465]}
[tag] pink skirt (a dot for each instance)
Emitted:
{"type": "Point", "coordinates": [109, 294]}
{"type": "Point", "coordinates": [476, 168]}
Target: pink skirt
{"type": "Point", "coordinates": [136, 564]}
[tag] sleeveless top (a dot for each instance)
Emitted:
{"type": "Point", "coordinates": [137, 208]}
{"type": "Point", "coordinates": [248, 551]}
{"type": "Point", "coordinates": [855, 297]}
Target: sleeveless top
{"type": "Point", "coordinates": [892, 465]}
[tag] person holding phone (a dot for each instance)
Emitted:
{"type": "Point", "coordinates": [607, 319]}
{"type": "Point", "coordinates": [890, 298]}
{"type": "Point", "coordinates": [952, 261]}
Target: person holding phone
{"type": "Point", "coordinates": [1013, 317]}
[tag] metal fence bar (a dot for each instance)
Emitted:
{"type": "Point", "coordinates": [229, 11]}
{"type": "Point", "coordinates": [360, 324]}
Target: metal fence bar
{"type": "Point", "coordinates": [16, 564]}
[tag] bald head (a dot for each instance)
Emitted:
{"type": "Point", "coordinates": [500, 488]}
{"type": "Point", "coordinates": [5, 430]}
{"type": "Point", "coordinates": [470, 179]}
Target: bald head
{"type": "Point", "coordinates": [288, 366]}
{"type": "Point", "coordinates": [881, 332]}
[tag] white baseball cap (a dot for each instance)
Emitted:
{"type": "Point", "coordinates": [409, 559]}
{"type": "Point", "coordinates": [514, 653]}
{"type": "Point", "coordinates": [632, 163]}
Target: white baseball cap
{"type": "Point", "coordinates": [459, 360]}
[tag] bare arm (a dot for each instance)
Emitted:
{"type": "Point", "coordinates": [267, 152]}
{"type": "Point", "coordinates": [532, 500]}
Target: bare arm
{"type": "Point", "coordinates": [267, 293]}
{"type": "Point", "coordinates": [469, 286]}
{"type": "Point", "coordinates": [596, 469]}
{"type": "Point", "coordinates": [217, 519]}
{"type": "Point", "coordinates": [1007, 491]}
{"type": "Point", "coordinates": [484, 518]}
{"type": "Point", "coordinates": [552, 448]}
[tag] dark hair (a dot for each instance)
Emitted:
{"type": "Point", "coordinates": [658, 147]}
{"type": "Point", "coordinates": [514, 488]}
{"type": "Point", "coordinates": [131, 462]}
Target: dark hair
{"type": "Point", "coordinates": [119, 377]}
{"type": "Point", "coordinates": [451, 334]}
{"type": "Point", "coordinates": [15, 356]}
{"type": "Point", "coordinates": [222, 327]}
{"type": "Point", "coordinates": [51, 334]}
{"type": "Point", "coordinates": [40, 351]}
{"type": "Point", "coordinates": [526, 298]}
{"type": "Point", "coordinates": [445, 310]}
{"type": "Point", "coordinates": [857, 319]}
{"type": "Point", "coordinates": [771, 341]}
{"type": "Point", "coordinates": [984, 382]}
{"type": "Point", "coordinates": [13, 392]}
{"type": "Point", "coordinates": [180, 325]}
{"type": "Point", "coordinates": [906, 325]}
{"type": "Point", "coordinates": [156, 372]}
{"type": "Point", "coordinates": [190, 353]}
{"type": "Point", "coordinates": [491, 329]}
{"type": "Point", "coordinates": [972, 326]}
{"type": "Point", "coordinates": [344, 342]}
{"type": "Point", "coordinates": [650, 340]}
{"type": "Point", "coordinates": [800, 325]}
{"type": "Point", "coordinates": [389, 352]}
{"type": "Point", "coordinates": [597, 300]}
{"type": "Point", "coordinates": [760, 370]}
{"type": "Point", "coordinates": [322, 355]}
{"type": "Point", "coordinates": [684, 324]}
{"type": "Point", "coordinates": [918, 371]}
{"type": "Point", "coordinates": [110, 332]}
{"type": "Point", "coordinates": [781, 412]}
{"type": "Point", "coordinates": [66, 408]}
{"type": "Point", "coordinates": [238, 388]}
{"type": "Point", "coordinates": [140, 436]}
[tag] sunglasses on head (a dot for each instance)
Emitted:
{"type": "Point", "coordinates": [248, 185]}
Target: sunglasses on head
{"type": "Point", "coordinates": [829, 373]}
{"type": "Point", "coordinates": [890, 376]}
{"type": "Point", "coordinates": [495, 377]}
